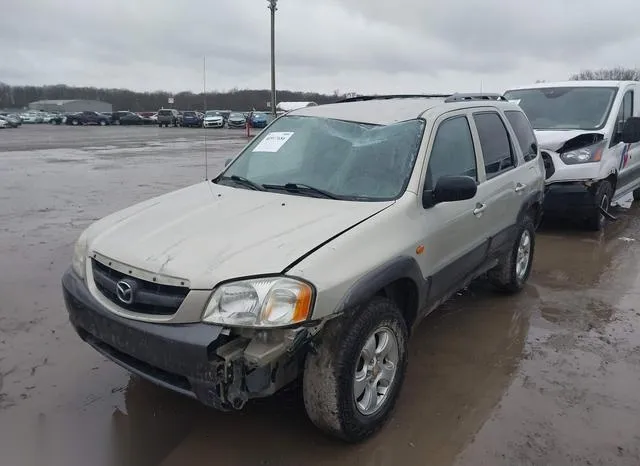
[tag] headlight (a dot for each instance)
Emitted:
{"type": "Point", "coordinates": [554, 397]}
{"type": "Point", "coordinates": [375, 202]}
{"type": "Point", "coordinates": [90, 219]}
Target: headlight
{"type": "Point", "coordinates": [260, 302]}
{"type": "Point", "coordinates": [80, 255]}
{"type": "Point", "coordinates": [592, 153]}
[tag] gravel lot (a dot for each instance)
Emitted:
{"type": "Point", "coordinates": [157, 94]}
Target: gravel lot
{"type": "Point", "coordinates": [549, 377]}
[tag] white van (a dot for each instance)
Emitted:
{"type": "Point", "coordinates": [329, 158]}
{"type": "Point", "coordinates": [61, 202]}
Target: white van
{"type": "Point", "coordinates": [588, 132]}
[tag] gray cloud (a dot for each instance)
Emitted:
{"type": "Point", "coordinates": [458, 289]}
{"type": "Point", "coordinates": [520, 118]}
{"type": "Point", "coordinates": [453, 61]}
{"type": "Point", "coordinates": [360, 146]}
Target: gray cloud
{"type": "Point", "coordinates": [352, 45]}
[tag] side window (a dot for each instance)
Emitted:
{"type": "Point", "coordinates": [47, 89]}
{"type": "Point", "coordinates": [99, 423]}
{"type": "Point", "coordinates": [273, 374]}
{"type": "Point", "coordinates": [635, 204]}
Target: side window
{"type": "Point", "coordinates": [524, 133]}
{"type": "Point", "coordinates": [495, 143]}
{"type": "Point", "coordinates": [452, 152]}
{"type": "Point", "coordinates": [626, 111]}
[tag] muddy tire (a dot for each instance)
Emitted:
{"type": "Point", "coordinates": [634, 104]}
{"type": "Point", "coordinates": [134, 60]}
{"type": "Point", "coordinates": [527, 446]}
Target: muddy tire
{"type": "Point", "coordinates": [596, 221]}
{"type": "Point", "coordinates": [636, 195]}
{"type": "Point", "coordinates": [514, 268]}
{"type": "Point", "coordinates": [352, 380]}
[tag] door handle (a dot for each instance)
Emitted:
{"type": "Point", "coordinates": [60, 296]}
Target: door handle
{"type": "Point", "coordinates": [520, 187]}
{"type": "Point", "coordinates": [479, 209]}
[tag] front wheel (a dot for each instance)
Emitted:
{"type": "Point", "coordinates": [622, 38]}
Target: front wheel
{"type": "Point", "coordinates": [75, 122]}
{"type": "Point", "coordinates": [636, 195]}
{"type": "Point", "coordinates": [514, 268]}
{"type": "Point", "coordinates": [352, 380]}
{"type": "Point", "coordinates": [596, 220]}
{"type": "Point", "coordinates": [103, 123]}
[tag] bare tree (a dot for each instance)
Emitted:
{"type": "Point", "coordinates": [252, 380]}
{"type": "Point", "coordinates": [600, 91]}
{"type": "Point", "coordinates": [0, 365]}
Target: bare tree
{"type": "Point", "coordinates": [615, 74]}
{"type": "Point", "coordinates": [123, 99]}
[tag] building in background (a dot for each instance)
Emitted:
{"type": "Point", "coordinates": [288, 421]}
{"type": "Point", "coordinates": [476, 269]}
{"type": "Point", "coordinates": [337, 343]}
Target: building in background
{"type": "Point", "coordinates": [71, 106]}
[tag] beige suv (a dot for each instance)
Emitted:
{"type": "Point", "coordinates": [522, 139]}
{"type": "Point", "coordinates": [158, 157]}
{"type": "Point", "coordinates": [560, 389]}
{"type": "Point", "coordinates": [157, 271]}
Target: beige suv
{"type": "Point", "coordinates": [314, 253]}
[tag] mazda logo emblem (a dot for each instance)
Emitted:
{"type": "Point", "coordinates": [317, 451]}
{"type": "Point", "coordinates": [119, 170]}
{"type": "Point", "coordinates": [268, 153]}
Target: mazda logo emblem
{"type": "Point", "coordinates": [125, 291]}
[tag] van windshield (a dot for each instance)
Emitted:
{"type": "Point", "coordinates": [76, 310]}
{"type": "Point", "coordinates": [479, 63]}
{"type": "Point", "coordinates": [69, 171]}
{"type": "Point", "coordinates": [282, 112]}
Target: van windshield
{"type": "Point", "coordinates": [565, 108]}
{"type": "Point", "coordinates": [353, 161]}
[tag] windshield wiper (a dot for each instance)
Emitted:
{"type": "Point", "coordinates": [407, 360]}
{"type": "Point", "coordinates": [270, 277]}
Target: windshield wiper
{"type": "Point", "coordinates": [242, 181]}
{"type": "Point", "coordinates": [298, 187]}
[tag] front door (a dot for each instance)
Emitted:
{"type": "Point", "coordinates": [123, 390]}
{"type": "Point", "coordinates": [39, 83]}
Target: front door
{"type": "Point", "coordinates": [628, 154]}
{"type": "Point", "coordinates": [453, 246]}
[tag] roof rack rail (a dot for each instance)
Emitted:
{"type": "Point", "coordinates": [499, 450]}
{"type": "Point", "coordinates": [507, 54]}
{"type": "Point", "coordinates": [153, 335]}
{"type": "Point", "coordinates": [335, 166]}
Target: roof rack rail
{"type": "Point", "coordinates": [467, 97]}
{"type": "Point", "coordinates": [362, 98]}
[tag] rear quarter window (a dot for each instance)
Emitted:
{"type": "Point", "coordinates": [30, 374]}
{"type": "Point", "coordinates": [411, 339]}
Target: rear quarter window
{"type": "Point", "coordinates": [524, 133]}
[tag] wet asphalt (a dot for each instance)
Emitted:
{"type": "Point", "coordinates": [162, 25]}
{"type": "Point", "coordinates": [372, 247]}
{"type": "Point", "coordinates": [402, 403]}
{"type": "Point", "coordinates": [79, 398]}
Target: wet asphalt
{"type": "Point", "coordinates": [548, 377]}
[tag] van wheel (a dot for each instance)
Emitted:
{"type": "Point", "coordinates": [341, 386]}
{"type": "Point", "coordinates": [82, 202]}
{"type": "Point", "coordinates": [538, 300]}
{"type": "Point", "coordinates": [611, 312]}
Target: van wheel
{"type": "Point", "coordinates": [351, 382]}
{"type": "Point", "coordinates": [514, 268]}
{"type": "Point", "coordinates": [636, 195]}
{"type": "Point", "coordinates": [596, 221]}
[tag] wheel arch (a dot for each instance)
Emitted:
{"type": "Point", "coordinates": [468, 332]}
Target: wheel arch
{"type": "Point", "coordinates": [399, 280]}
{"type": "Point", "coordinates": [532, 207]}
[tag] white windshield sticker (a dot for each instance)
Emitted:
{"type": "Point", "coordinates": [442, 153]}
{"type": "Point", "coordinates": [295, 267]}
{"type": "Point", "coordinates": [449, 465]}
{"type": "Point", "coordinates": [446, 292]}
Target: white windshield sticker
{"type": "Point", "coordinates": [272, 142]}
{"type": "Point", "coordinates": [515, 101]}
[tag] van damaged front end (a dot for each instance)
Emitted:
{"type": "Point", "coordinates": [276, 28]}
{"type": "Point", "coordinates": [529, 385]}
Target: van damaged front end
{"type": "Point", "coordinates": [573, 169]}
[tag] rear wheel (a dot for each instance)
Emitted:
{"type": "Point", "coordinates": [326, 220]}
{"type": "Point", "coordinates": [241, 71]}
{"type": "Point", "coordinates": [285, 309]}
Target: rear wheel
{"type": "Point", "coordinates": [514, 268]}
{"type": "Point", "coordinates": [596, 220]}
{"type": "Point", "coordinates": [352, 381]}
{"type": "Point", "coordinates": [74, 122]}
{"type": "Point", "coordinates": [636, 195]}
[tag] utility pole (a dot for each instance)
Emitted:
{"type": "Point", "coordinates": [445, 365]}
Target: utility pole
{"type": "Point", "coordinates": [273, 8]}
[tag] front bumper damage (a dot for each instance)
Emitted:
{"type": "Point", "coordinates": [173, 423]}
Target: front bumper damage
{"type": "Point", "coordinates": [570, 190]}
{"type": "Point", "coordinates": [570, 199]}
{"type": "Point", "coordinates": [221, 368]}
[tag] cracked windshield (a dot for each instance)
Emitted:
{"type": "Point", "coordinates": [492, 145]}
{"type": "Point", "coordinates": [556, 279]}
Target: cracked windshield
{"type": "Point", "coordinates": [276, 232]}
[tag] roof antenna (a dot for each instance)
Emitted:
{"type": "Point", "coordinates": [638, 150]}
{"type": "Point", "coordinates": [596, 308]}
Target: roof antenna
{"type": "Point", "coordinates": [481, 87]}
{"type": "Point", "coordinates": [204, 93]}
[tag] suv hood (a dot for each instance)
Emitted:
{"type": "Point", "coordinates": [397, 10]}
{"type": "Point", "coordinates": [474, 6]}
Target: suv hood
{"type": "Point", "coordinates": [207, 233]}
{"type": "Point", "coordinates": [554, 140]}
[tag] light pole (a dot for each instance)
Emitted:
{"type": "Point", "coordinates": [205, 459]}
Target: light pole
{"type": "Point", "coordinates": [273, 8]}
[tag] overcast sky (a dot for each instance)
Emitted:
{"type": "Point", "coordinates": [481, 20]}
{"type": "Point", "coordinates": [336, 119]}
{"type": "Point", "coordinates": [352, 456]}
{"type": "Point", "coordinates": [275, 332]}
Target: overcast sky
{"type": "Point", "coordinates": [361, 46]}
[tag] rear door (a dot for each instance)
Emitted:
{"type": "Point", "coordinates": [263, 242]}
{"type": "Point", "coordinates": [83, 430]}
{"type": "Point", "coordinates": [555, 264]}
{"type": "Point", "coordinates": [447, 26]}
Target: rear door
{"type": "Point", "coordinates": [503, 184]}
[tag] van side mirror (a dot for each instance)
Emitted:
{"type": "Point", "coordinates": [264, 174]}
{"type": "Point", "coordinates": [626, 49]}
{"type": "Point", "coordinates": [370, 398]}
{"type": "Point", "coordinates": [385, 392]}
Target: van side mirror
{"type": "Point", "coordinates": [450, 189]}
{"type": "Point", "coordinates": [631, 130]}
{"type": "Point", "coordinates": [227, 162]}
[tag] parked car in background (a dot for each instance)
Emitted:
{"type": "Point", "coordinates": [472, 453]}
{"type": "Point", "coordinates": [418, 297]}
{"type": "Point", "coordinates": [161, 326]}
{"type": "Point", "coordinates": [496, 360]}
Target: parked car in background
{"type": "Point", "coordinates": [13, 119]}
{"type": "Point", "coordinates": [130, 118]}
{"type": "Point", "coordinates": [191, 119]}
{"type": "Point", "coordinates": [57, 119]}
{"type": "Point", "coordinates": [31, 117]}
{"type": "Point", "coordinates": [237, 120]}
{"type": "Point", "coordinates": [114, 117]}
{"type": "Point", "coordinates": [4, 123]}
{"type": "Point", "coordinates": [87, 118]}
{"type": "Point", "coordinates": [258, 120]}
{"type": "Point", "coordinates": [168, 117]}
{"type": "Point", "coordinates": [587, 133]}
{"type": "Point", "coordinates": [213, 119]}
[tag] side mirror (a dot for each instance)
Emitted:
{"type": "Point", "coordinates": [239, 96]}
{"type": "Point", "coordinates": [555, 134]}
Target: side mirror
{"type": "Point", "coordinates": [450, 189]}
{"type": "Point", "coordinates": [631, 130]}
{"type": "Point", "coordinates": [227, 162]}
